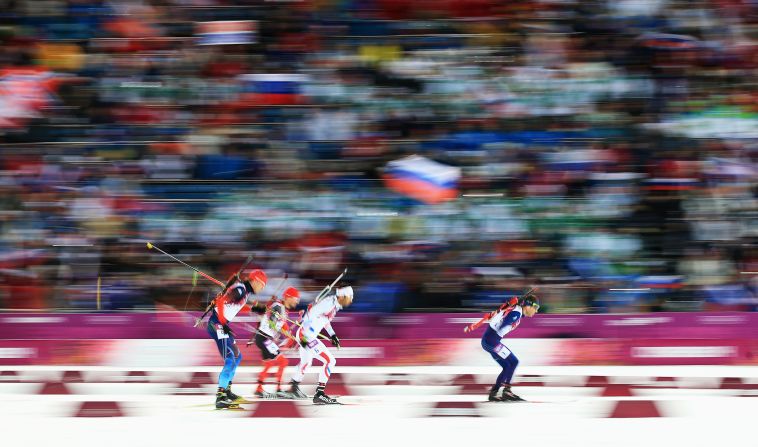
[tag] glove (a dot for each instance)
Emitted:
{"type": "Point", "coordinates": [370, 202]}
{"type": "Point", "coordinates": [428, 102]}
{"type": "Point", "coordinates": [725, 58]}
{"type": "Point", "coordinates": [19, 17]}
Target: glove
{"type": "Point", "coordinates": [227, 330]}
{"type": "Point", "coordinates": [303, 343]}
{"type": "Point", "coordinates": [335, 340]}
{"type": "Point", "coordinates": [257, 308]}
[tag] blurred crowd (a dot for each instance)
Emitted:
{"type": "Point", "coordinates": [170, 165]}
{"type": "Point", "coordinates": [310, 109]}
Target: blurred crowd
{"type": "Point", "coordinates": [607, 150]}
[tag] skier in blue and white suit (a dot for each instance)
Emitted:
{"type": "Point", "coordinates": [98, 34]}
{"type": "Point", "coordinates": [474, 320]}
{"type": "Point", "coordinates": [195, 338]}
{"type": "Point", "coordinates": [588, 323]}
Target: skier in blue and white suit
{"type": "Point", "coordinates": [493, 341]}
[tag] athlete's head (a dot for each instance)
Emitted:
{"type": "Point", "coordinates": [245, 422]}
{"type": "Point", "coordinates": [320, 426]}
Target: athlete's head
{"type": "Point", "coordinates": [257, 279]}
{"type": "Point", "coordinates": [345, 296]}
{"type": "Point", "coordinates": [291, 297]}
{"type": "Point", "coordinates": [530, 306]}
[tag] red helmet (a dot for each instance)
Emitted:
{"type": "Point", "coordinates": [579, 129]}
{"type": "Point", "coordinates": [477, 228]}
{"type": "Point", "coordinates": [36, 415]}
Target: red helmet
{"type": "Point", "coordinates": [257, 275]}
{"type": "Point", "coordinates": [291, 292]}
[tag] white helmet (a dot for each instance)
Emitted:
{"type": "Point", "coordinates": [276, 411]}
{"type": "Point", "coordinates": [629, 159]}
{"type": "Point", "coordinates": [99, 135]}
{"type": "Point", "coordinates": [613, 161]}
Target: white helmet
{"type": "Point", "coordinates": [346, 292]}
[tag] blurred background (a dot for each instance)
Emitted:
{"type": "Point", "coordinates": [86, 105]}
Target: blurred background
{"type": "Point", "coordinates": [451, 153]}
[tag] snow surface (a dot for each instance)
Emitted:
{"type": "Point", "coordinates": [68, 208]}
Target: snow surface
{"type": "Point", "coordinates": [391, 416]}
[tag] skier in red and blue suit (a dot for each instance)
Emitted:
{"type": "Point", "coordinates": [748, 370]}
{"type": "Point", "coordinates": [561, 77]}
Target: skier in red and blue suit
{"type": "Point", "coordinates": [225, 308]}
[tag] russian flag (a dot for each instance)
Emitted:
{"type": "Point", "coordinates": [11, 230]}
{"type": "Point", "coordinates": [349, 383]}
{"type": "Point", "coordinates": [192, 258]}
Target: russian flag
{"type": "Point", "coordinates": [668, 42]}
{"type": "Point", "coordinates": [660, 281]}
{"type": "Point", "coordinates": [24, 94]}
{"type": "Point", "coordinates": [273, 88]}
{"type": "Point", "coordinates": [226, 32]}
{"type": "Point", "coordinates": [422, 179]}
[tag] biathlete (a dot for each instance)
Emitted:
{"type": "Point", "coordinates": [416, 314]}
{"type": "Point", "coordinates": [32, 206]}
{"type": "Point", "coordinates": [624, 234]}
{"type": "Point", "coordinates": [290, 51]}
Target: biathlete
{"type": "Point", "coordinates": [501, 323]}
{"type": "Point", "coordinates": [274, 335]}
{"type": "Point", "coordinates": [225, 307]}
{"type": "Point", "coordinates": [316, 318]}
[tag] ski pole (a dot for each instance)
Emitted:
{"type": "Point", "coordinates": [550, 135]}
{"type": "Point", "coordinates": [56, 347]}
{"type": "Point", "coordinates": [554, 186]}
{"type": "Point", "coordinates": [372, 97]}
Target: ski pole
{"type": "Point", "coordinates": [281, 284]}
{"type": "Point", "coordinates": [329, 287]}
{"type": "Point", "coordinates": [204, 275]}
{"type": "Point", "coordinates": [322, 336]}
{"type": "Point", "coordinates": [255, 331]}
{"type": "Point", "coordinates": [194, 283]}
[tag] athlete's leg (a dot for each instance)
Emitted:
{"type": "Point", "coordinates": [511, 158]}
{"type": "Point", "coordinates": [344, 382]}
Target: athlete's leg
{"type": "Point", "coordinates": [232, 358]}
{"type": "Point", "coordinates": [221, 339]}
{"type": "Point", "coordinates": [306, 358]}
{"type": "Point", "coordinates": [505, 358]}
{"type": "Point", "coordinates": [281, 362]}
{"type": "Point", "coordinates": [499, 353]}
{"type": "Point", "coordinates": [269, 351]}
{"type": "Point", "coordinates": [509, 362]}
{"type": "Point", "coordinates": [323, 355]}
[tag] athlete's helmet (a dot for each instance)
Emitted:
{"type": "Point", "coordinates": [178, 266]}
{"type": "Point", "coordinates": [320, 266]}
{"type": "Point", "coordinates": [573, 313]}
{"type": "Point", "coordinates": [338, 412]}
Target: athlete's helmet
{"type": "Point", "coordinates": [257, 275]}
{"type": "Point", "coordinates": [345, 291]}
{"type": "Point", "coordinates": [291, 292]}
{"type": "Point", "coordinates": [530, 301]}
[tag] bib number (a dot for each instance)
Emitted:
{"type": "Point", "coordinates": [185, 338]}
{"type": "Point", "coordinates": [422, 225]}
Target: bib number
{"type": "Point", "coordinates": [271, 346]}
{"type": "Point", "coordinates": [502, 351]}
{"type": "Point", "coordinates": [220, 332]}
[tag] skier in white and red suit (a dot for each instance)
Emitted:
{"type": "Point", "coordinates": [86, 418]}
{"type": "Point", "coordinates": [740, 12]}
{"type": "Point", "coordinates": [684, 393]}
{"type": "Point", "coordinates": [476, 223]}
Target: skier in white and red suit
{"type": "Point", "coordinates": [273, 335]}
{"type": "Point", "coordinates": [316, 318]}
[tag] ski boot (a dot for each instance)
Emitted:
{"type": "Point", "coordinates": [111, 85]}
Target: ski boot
{"type": "Point", "coordinates": [260, 393]}
{"type": "Point", "coordinates": [223, 402]}
{"type": "Point", "coordinates": [320, 398]}
{"type": "Point", "coordinates": [296, 392]}
{"type": "Point", "coordinates": [493, 397]}
{"type": "Point", "coordinates": [281, 394]}
{"type": "Point", "coordinates": [233, 397]}
{"type": "Point", "coordinates": [509, 396]}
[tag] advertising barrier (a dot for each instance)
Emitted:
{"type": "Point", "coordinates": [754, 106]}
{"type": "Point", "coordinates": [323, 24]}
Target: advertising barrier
{"type": "Point", "coordinates": [168, 339]}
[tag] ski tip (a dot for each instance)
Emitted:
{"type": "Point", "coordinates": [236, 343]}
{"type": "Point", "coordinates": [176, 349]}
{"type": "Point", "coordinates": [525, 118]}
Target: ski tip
{"type": "Point", "coordinates": [231, 408]}
{"type": "Point", "coordinates": [149, 245]}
